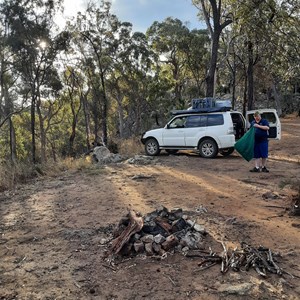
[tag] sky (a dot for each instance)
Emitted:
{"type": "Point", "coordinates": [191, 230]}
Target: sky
{"type": "Point", "coordinates": [142, 13]}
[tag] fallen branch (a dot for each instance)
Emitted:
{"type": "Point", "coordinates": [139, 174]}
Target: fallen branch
{"type": "Point", "coordinates": [135, 225]}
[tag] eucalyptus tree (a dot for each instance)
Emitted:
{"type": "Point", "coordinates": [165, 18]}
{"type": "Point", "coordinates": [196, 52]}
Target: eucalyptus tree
{"type": "Point", "coordinates": [197, 57]}
{"type": "Point", "coordinates": [262, 35]}
{"type": "Point", "coordinates": [34, 48]}
{"type": "Point", "coordinates": [217, 15]}
{"type": "Point", "coordinates": [8, 94]}
{"type": "Point", "coordinates": [130, 78]}
{"type": "Point", "coordinates": [95, 31]}
{"type": "Point", "coordinates": [282, 58]}
{"type": "Point", "coordinates": [168, 39]}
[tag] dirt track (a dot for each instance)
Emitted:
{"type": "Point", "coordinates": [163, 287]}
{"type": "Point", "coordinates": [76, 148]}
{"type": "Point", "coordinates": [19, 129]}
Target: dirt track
{"type": "Point", "coordinates": [53, 231]}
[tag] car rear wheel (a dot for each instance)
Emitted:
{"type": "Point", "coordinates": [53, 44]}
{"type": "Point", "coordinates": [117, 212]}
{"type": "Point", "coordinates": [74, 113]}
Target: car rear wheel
{"type": "Point", "coordinates": [208, 148]}
{"type": "Point", "coordinates": [152, 147]}
{"type": "Point", "coordinates": [226, 152]}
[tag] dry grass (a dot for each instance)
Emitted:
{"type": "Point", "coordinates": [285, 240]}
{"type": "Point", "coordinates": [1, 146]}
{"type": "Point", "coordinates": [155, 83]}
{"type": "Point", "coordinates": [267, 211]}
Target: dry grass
{"type": "Point", "coordinates": [12, 175]}
{"type": "Point", "coordinates": [130, 147]}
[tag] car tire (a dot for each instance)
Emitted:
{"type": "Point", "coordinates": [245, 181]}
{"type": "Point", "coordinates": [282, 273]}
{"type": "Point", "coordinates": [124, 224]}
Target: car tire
{"type": "Point", "coordinates": [171, 151]}
{"type": "Point", "coordinates": [208, 148]}
{"type": "Point", "coordinates": [152, 147]}
{"type": "Point", "coordinates": [226, 152]}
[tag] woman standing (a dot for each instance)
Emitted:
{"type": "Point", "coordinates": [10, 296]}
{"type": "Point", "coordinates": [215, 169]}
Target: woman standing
{"type": "Point", "coordinates": [261, 143]}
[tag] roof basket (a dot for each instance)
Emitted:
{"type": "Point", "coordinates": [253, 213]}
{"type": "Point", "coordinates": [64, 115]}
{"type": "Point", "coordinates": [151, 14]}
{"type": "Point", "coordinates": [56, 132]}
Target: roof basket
{"type": "Point", "coordinates": [201, 110]}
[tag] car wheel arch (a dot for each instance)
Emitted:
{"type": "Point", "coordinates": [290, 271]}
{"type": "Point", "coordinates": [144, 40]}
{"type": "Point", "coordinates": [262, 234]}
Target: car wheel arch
{"type": "Point", "coordinates": [208, 138]}
{"type": "Point", "coordinates": [214, 143]}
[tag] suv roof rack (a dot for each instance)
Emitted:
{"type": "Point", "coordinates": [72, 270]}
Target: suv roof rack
{"type": "Point", "coordinates": [201, 110]}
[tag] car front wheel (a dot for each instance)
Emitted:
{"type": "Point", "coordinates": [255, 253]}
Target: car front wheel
{"type": "Point", "coordinates": [152, 147]}
{"type": "Point", "coordinates": [208, 148]}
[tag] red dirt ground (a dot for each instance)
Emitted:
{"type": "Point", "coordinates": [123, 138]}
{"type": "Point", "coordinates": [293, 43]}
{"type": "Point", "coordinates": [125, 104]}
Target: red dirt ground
{"type": "Point", "coordinates": [53, 231]}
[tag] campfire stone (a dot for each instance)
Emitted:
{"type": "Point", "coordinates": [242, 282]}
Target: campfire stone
{"type": "Point", "coordinates": [159, 239]}
{"type": "Point", "coordinates": [139, 246]}
{"type": "Point", "coordinates": [149, 248]}
{"type": "Point", "coordinates": [157, 248]}
{"type": "Point", "coordinates": [199, 228]}
{"type": "Point", "coordinates": [147, 238]}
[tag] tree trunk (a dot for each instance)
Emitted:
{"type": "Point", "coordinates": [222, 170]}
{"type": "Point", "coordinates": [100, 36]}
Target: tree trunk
{"type": "Point", "coordinates": [210, 78]}
{"type": "Point", "coordinates": [277, 98]}
{"type": "Point", "coordinates": [104, 110]}
{"type": "Point", "coordinates": [96, 115]}
{"type": "Point", "coordinates": [86, 121]}
{"type": "Point", "coordinates": [42, 132]}
{"type": "Point", "coordinates": [121, 117]}
{"type": "Point", "coordinates": [73, 131]}
{"type": "Point", "coordinates": [13, 148]}
{"type": "Point", "coordinates": [245, 96]}
{"type": "Point", "coordinates": [250, 94]}
{"type": "Point", "coordinates": [32, 116]}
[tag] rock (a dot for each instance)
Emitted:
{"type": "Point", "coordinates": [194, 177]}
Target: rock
{"type": "Point", "coordinates": [192, 240]}
{"type": "Point", "coordinates": [159, 239]}
{"type": "Point", "coordinates": [270, 195]}
{"type": "Point", "coordinates": [140, 160]}
{"type": "Point", "coordinates": [239, 289]}
{"type": "Point", "coordinates": [139, 247]}
{"type": "Point", "coordinates": [149, 248]}
{"type": "Point", "coordinates": [101, 154]}
{"type": "Point", "coordinates": [157, 248]}
{"type": "Point", "coordinates": [200, 228]}
{"type": "Point", "coordinates": [147, 238]}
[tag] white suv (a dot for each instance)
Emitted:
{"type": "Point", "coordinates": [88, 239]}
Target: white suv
{"type": "Point", "coordinates": [208, 131]}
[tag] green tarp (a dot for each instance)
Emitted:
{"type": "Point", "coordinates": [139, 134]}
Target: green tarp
{"type": "Point", "coordinates": [245, 145]}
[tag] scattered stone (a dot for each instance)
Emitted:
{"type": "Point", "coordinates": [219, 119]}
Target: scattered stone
{"type": "Point", "coordinates": [141, 160]}
{"type": "Point", "coordinates": [270, 195]}
{"type": "Point", "coordinates": [239, 289]}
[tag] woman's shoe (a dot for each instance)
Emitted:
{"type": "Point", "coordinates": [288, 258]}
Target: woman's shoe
{"type": "Point", "coordinates": [256, 170]}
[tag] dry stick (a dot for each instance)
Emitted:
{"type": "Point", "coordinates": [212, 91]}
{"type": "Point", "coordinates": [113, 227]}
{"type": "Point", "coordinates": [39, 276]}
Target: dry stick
{"type": "Point", "coordinates": [208, 266]}
{"type": "Point", "coordinates": [135, 225]}
{"type": "Point", "coordinates": [257, 269]}
{"type": "Point", "coordinates": [279, 271]}
{"type": "Point", "coordinates": [109, 267]}
{"type": "Point", "coordinates": [174, 284]}
{"type": "Point", "coordinates": [213, 259]}
{"type": "Point", "coordinates": [275, 206]}
{"type": "Point", "coordinates": [263, 260]}
{"type": "Point", "coordinates": [225, 256]}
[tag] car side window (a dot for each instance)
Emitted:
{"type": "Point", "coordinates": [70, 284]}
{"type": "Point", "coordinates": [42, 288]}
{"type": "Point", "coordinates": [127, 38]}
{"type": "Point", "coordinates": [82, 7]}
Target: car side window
{"type": "Point", "coordinates": [215, 120]}
{"type": "Point", "coordinates": [177, 123]}
{"type": "Point", "coordinates": [195, 121]}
